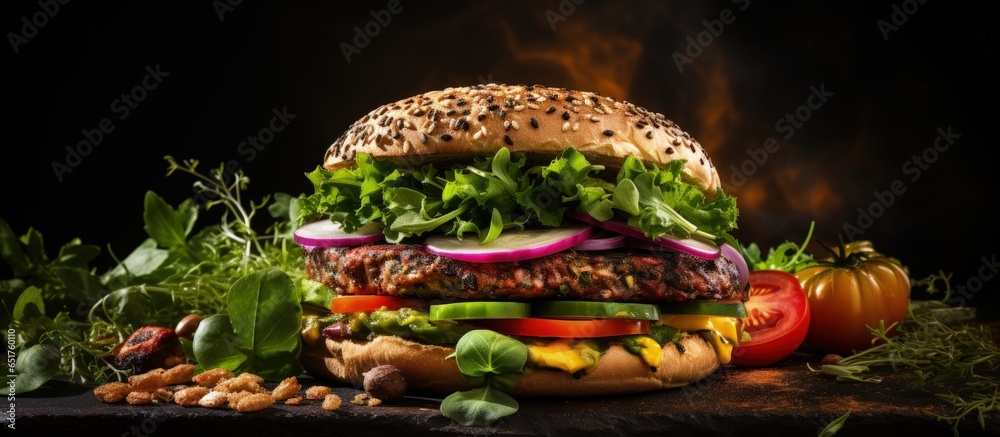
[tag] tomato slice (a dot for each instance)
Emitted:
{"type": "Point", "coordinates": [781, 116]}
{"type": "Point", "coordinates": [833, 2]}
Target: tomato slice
{"type": "Point", "coordinates": [479, 310]}
{"type": "Point", "coordinates": [362, 304]}
{"type": "Point", "coordinates": [777, 319]}
{"type": "Point", "coordinates": [536, 327]}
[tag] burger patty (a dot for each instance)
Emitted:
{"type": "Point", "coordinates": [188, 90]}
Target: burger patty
{"type": "Point", "coordinates": [410, 271]}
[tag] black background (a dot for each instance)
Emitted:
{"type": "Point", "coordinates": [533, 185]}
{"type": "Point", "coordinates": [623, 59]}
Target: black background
{"type": "Point", "coordinates": [227, 73]}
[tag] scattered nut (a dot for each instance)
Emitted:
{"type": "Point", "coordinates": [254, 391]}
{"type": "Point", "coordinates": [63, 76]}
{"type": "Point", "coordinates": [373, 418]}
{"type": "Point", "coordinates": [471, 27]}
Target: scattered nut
{"type": "Point", "coordinates": [385, 382]}
{"type": "Point", "coordinates": [286, 389]}
{"type": "Point", "coordinates": [140, 398]}
{"type": "Point", "coordinates": [148, 382]}
{"type": "Point", "coordinates": [364, 399]}
{"type": "Point", "coordinates": [187, 326]}
{"type": "Point", "coordinates": [235, 398]}
{"type": "Point", "coordinates": [331, 402]}
{"type": "Point", "coordinates": [113, 391]}
{"type": "Point", "coordinates": [254, 402]}
{"type": "Point", "coordinates": [210, 378]}
{"type": "Point", "coordinates": [317, 392]}
{"type": "Point", "coordinates": [297, 400]}
{"type": "Point", "coordinates": [214, 399]}
{"type": "Point", "coordinates": [179, 374]}
{"type": "Point", "coordinates": [189, 397]}
{"type": "Point", "coordinates": [245, 382]}
{"type": "Point", "coordinates": [164, 395]}
{"type": "Point", "coordinates": [832, 359]}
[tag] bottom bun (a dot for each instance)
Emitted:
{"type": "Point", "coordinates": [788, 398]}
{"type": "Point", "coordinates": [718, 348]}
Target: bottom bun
{"type": "Point", "coordinates": [427, 369]}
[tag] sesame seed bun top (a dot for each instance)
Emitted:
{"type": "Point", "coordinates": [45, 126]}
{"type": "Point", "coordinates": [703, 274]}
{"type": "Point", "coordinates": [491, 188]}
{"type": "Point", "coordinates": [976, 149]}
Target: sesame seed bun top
{"type": "Point", "coordinates": [539, 121]}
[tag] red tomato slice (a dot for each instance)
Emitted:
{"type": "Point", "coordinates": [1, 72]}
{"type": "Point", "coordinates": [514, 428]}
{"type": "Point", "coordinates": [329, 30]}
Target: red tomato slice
{"type": "Point", "coordinates": [536, 327]}
{"type": "Point", "coordinates": [360, 304]}
{"type": "Point", "coordinates": [777, 319]}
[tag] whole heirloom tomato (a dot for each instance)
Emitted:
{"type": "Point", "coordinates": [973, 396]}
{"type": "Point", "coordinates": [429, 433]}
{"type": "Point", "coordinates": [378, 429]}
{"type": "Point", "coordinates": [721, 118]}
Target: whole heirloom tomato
{"type": "Point", "coordinates": [847, 292]}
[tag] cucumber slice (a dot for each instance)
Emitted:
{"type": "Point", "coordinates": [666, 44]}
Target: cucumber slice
{"type": "Point", "coordinates": [571, 309]}
{"type": "Point", "coordinates": [727, 309]}
{"type": "Point", "coordinates": [480, 310]}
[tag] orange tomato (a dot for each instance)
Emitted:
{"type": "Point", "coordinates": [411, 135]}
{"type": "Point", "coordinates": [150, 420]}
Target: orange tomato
{"type": "Point", "coordinates": [848, 293]}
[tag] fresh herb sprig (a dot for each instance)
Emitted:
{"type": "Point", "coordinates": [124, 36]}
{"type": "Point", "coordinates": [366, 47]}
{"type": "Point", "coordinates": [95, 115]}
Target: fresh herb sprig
{"type": "Point", "coordinates": [68, 318]}
{"type": "Point", "coordinates": [933, 351]}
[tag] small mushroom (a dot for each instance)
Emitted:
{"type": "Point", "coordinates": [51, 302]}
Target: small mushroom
{"type": "Point", "coordinates": [385, 382]}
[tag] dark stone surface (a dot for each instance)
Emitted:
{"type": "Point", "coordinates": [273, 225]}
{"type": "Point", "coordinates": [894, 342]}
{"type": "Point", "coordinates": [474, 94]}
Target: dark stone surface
{"type": "Point", "coordinates": [784, 399]}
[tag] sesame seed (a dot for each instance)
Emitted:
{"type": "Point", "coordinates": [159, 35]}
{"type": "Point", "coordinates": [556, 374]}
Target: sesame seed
{"type": "Point", "coordinates": [477, 135]}
{"type": "Point", "coordinates": [503, 113]}
{"type": "Point", "coordinates": [670, 150]}
{"type": "Point", "coordinates": [598, 110]}
{"type": "Point", "coordinates": [608, 133]}
{"type": "Point", "coordinates": [534, 123]}
{"type": "Point", "coordinates": [450, 112]}
{"type": "Point", "coordinates": [576, 127]}
{"type": "Point", "coordinates": [493, 107]}
{"type": "Point", "coordinates": [507, 140]}
{"type": "Point", "coordinates": [565, 115]}
{"type": "Point", "coordinates": [489, 98]}
{"type": "Point", "coordinates": [519, 108]}
{"type": "Point", "coordinates": [506, 125]}
{"type": "Point", "coordinates": [515, 124]}
{"type": "Point", "coordinates": [702, 161]}
{"type": "Point", "coordinates": [419, 112]}
{"type": "Point", "coordinates": [466, 112]}
{"type": "Point", "coordinates": [649, 134]}
{"type": "Point", "coordinates": [594, 119]}
{"type": "Point", "coordinates": [423, 138]}
{"type": "Point", "coordinates": [446, 137]}
{"type": "Point", "coordinates": [460, 102]}
{"type": "Point", "coordinates": [430, 129]}
{"type": "Point", "coordinates": [550, 110]}
{"type": "Point", "coordinates": [576, 102]}
{"type": "Point", "coordinates": [565, 126]}
{"type": "Point", "coordinates": [481, 117]}
{"type": "Point", "coordinates": [532, 106]}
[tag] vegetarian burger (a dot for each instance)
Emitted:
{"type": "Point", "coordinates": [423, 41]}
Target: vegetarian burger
{"type": "Point", "coordinates": [589, 229]}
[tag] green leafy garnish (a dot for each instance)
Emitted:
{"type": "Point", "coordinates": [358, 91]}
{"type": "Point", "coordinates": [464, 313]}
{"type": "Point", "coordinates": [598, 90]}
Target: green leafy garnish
{"type": "Point", "coordinates": [787, 257]}
{"type": "Point", "coordinates": [261, 333]}
{"type": "Point", "coordinates": [489, 361]}
{"type": "Point", "coordinates": [69, 317]}
{"type": "Point", "coordinates": [502, 192]}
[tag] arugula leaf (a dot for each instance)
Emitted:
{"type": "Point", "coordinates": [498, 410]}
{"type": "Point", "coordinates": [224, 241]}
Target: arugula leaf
{"type": "Point", "coordinates": [787, 257]}
{"type": "Point", "coordinates": [501, 192]}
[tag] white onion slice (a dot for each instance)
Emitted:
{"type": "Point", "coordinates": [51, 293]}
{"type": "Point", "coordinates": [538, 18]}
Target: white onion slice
{"type": "Point", "coordinates": [734, 255]}
{"type": "Point", "coordinates": [510, 245]}
{"type": "Point", "coordinates": [690, 246]}
{"type": "Point", "coordinates": [326, 233]}
{"type": "Point", "coordinates": [604, 240]}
